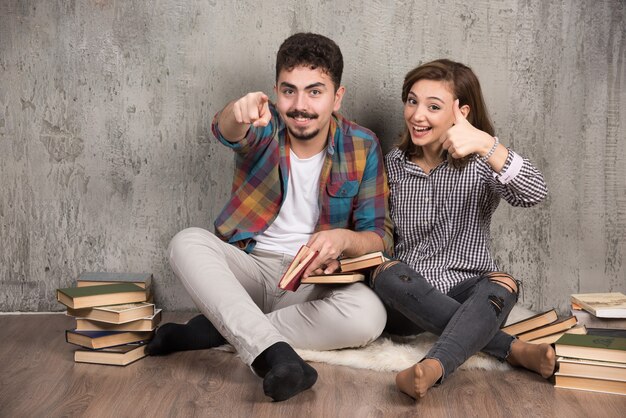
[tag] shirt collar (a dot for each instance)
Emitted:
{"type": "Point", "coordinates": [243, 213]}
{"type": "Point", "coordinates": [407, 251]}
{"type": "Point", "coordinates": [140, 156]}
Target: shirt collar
{"type": "Point", "coordinates": [333, 129]}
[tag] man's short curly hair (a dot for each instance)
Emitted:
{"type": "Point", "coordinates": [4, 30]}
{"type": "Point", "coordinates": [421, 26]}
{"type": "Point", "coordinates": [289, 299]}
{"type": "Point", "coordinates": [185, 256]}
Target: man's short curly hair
{"type": "Point", "coordinates": [311, 50]}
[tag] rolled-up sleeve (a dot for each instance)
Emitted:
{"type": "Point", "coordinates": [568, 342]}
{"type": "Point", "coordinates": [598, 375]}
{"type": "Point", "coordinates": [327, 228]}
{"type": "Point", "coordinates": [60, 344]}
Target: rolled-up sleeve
{"type": "Point", "coordinates": [372, 207]}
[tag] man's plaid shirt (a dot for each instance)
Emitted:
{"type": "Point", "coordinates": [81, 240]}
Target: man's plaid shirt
{"type": "Point", "coordinates": [353, 186]}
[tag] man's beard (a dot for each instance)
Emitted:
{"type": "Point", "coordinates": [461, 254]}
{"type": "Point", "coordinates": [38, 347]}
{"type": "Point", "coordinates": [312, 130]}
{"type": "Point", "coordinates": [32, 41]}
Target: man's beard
{"type": "Point", "coordinates": [303, 136]}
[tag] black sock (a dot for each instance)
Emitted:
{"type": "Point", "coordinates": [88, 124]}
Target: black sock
{"type": "Point", "coordinates": [196, 334]}
{"type": "Point", "coordinates": [284, 373]}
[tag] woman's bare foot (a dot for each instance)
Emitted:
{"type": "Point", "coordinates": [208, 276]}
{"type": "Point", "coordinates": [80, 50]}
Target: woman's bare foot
{"type": "Point", "coordinates": [417, 379]}
{"type": "Point", "coordinates": [540, 358]}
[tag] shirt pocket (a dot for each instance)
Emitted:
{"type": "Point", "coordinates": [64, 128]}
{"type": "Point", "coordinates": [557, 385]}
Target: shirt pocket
{"type": "Point", "coordinates": [343, 188]}
{"type": "Point", "coordinates": [341, 195]}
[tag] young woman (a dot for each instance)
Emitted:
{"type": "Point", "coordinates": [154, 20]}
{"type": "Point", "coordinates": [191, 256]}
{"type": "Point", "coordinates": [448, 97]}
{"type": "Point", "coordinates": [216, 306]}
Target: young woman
{"type": "Point", "coordinates": [446, 179]}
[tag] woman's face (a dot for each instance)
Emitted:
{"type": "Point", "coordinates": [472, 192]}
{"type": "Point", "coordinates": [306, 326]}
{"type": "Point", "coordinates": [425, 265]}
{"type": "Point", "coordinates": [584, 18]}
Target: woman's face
{"type": "Point", "coordinates": [428, 112]}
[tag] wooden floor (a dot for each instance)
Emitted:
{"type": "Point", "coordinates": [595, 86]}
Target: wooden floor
{"type": "Point", "coordinates": [38, 378]}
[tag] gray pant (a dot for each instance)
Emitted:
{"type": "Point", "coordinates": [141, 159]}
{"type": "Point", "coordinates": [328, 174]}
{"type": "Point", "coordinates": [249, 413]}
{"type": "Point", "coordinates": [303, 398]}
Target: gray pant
{"type": "Point", "coordinates": [467, 319]}
{"type": "Point", "coordinates": [239, 294]}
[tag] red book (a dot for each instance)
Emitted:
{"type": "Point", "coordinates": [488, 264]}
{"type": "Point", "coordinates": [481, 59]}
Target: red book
{"type": "Point", "coordinates": [293, 274]}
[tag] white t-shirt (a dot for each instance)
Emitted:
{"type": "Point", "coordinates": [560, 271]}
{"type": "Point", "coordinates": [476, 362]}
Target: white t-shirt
{"type": "Point", "coordinates": [299, 213]}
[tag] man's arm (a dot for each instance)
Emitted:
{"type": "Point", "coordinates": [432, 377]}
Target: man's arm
{"type": "Point", "coordinates": [372, 224]}
{"type": "Point", "coordinates": [335, 242]}
{"type": "Point", "coordinates": [237, 116]}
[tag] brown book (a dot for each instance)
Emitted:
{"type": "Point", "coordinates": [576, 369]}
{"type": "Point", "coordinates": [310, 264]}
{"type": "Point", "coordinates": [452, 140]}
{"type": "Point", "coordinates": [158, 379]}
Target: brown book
{"type": "Point", "coordinates": [535, 321]}
{"type": "Point", "coordinates": [556, 326]}
{"type": "Point", "coordinates": [292, 276]}
{"type": "Point", "coordinates": [121, 355]}
{"type": "Point", "coordinates": [115, 314]}
{"type": "Point", "coordinates": [552, 338]}
{"type": "Point", "coordinates": [589, 384]}
{"type": "Point", "coordinates": [102, 339]}
{"type": "Point", "coordinates": [592, 347]}
{"type": "Point", "coordinates": [591, 368]}
{"type": "Point", "coordinates": [362, 262]}
{"type": "Point", "coordinates": [602, 305]}
{"type": "Point", "coordinates": [108, 294]}
{"type": "Point", "coordinates": [334, 278]}
{"type": "Point", "coordinates": [96, 278]}
{"type": "Point", "coordinates": [143, 324]}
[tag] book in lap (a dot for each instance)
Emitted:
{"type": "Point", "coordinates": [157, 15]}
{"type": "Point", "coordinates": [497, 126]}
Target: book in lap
{"type": "Point", "coordinates": [602, 305]}
{"type": "Point", "coordinates": [121, 355]}
{"type": "Point", "coordinates": [363, 262]}
{"type": "Point", "coordinates": [334, 278]}
{"type": "Point", "coordinates": [108, 294]}
{"type": "Point", "coordinates": [292, 276]}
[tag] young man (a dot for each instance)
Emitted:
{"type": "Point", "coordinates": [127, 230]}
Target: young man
{"type": "Point", "coordinates": [304, 175]}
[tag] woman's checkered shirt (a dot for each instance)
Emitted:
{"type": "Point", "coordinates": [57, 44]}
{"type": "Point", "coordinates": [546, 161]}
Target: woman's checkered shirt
{"type": "Point", "coordinates": [442, 219]}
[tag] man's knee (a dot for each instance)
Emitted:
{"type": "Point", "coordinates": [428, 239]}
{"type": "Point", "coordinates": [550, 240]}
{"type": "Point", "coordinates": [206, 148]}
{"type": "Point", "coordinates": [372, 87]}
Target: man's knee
{"type": "Point", "coordinates": [366, 313]}
{"type": "Point", "coordinates": [369, 324]}
{"type": "Point", "coordinates": [183, 240]}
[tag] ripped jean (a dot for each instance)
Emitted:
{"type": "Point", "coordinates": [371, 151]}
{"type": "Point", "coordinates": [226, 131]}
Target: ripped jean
{"type": "Point", "coordinates": [467, 318]}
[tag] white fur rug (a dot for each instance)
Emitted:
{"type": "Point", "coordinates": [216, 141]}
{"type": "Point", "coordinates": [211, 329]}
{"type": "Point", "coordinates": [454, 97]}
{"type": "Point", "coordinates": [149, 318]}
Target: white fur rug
{"type": "Point", "coordinates": [398, 353]}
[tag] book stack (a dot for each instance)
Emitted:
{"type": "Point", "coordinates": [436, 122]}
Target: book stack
{"type": "Point", "coordinates": [350, 269]}
{"type": "Point", "coordinates": [592, 363]}
{"type": "Point", "coordinates": [115, 316]}
{"type": "Point", "coordinates": [601, 310]}
{"type": "Point", "coordinates": [545, 327]}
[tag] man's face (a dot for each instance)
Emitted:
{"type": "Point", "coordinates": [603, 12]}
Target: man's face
{"type": "Point", "coordinates": [305, 99]}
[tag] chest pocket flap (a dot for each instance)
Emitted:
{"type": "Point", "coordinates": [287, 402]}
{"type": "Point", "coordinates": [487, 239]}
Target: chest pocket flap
{"type": "Point", "coordinates": [348, 188]}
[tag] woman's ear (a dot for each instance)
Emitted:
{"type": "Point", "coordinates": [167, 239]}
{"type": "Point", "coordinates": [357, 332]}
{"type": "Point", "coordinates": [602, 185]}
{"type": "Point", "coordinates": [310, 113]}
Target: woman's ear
{"type": "Point", "coordinates": [465, 109]}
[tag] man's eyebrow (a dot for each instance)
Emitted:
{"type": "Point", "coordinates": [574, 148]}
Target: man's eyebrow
{"type": "Point", "coordinates": [318, 84]}
{"type": "Point", "coordinates": [310, 86]}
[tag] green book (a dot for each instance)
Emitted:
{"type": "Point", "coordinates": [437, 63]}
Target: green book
{"type": "Point", "coordinates": [108, 294]}
{"type": "Point", "coordinates": [592, 347]}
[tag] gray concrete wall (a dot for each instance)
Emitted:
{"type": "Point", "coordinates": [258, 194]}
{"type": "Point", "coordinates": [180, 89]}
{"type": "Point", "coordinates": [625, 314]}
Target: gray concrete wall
{"type": "Point", "coordinates": [105, 107]}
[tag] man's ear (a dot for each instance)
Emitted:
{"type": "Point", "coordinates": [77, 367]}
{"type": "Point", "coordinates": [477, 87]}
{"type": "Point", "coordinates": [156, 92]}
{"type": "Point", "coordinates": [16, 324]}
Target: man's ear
{"type": "Point", "coordinates": [338, 98]}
